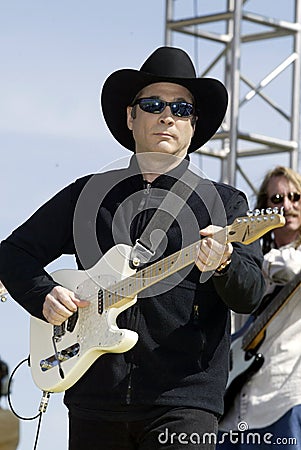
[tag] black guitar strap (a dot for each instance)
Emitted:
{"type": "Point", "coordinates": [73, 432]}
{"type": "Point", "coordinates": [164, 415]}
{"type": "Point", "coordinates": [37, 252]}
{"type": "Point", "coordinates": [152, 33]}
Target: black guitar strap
{"type": "Point", "coordinates": [146, 246]}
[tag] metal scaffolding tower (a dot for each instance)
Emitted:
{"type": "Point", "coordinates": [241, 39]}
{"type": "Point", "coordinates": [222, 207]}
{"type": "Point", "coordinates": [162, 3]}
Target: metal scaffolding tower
{"type": "Point", "coordinates": [257, 56]}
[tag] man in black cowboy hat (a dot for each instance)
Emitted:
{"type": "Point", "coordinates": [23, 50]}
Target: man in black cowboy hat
{"type": "Point", "coordinates": [166, 390]}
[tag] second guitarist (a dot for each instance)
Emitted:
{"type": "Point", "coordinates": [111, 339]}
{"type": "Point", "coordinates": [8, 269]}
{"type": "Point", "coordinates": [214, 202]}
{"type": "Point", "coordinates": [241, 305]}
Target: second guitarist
{"type": "Point", "coordinates": [270, 402]}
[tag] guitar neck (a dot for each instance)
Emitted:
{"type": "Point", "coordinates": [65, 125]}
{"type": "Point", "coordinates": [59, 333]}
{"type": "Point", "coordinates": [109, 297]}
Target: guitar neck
{"type": "Point", "coordinates": [127, 289]}
{"type": "Point", "coordinates": [270, 312]}
{"type": "Point", "coordinates": [243, 229]}
{"type": "Point", "coordinates": [171, 264]}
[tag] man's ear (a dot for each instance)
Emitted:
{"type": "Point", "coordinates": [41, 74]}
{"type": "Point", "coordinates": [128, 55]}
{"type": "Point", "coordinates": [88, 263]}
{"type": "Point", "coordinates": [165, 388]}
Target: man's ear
{"type": "Point", "coordinates": [193, 123]}
{"type": "Point", "coordinates": [131, 114]}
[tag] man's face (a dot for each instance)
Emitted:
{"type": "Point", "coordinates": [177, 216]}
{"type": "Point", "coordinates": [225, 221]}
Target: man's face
{"type": "Point", "coordinates": [163, 132]}
{"type": "Point", "coordinates": [292, 209]}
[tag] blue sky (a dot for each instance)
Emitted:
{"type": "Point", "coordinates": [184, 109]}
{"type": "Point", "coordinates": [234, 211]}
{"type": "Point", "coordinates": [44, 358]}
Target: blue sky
{"type": "Point", "coordinates": [55, 57]}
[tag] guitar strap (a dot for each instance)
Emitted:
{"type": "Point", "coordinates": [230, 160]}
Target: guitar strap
{"type": "Point", "coordinates": [146, 246]}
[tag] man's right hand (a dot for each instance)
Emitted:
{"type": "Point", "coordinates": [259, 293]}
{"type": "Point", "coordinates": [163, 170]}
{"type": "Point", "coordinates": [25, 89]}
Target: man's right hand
{"type": "Point", "coordinates": [60, 304]}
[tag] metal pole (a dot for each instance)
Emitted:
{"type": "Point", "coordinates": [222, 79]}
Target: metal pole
{"type": "Point", "coordinates": [168, 18]}
{"type": "Point", "coordinates": [236, 7]}
{"type": "Point", "coordinates": [295, 114]}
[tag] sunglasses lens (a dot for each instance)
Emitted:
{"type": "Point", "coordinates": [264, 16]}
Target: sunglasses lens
{"type": "Point", "coordinates": [293, 196]}
{"type": "Point", "coordinates": [181, 109]}
{"type": "Point", "coordinates": [151, 105]}
{"type": "Point", "coordinates": [276, 199]}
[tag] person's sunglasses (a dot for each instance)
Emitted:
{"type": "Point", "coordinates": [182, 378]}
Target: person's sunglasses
{"type": "Point", "coordinates": [278, 198]}
{"type": "Point", "coordinates": [156, 106]}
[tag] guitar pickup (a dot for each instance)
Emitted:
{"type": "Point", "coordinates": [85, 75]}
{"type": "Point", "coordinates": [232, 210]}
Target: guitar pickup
{"type": "Point", "coordinates": [62, 356]}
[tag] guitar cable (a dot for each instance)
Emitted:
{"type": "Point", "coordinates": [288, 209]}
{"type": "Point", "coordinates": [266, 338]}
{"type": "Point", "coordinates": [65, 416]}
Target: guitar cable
{"type": "Point", "coordinates": [54, 341]}
{"type": "Point", "coordinates": [43, 403]}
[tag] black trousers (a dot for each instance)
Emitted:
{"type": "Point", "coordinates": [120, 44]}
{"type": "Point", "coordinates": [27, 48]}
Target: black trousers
{"type": "Point", "coordinates": [178, 428]}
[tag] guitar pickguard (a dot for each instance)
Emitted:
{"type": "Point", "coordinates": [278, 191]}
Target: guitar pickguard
{"type": "Point", "coordinates": [56, 367]}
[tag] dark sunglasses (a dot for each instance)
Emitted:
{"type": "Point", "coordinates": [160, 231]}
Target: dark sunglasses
{"type": "Point", "coordinates": [278, 198]}
{"type": "Point", "coordinates": [156, 106]}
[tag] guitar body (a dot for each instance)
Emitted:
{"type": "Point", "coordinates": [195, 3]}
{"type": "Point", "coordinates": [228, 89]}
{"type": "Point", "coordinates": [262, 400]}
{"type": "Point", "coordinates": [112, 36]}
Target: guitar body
{"type": "Point", "coordinates": [243, 365]}
{"type": "Point", "coordinates": [94, 333]}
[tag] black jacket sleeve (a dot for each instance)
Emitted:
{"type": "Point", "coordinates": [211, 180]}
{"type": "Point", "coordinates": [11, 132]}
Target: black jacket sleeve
{"type": "Point", "coordinates": [44, 237]}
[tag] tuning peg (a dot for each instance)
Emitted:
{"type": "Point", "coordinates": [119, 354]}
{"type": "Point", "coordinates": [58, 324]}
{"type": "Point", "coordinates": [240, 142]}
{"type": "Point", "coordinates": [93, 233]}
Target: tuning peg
{"type": "Point", "coordinates": [3, 292]}
{"type": "Point", "coordinates": [263, 212]}
{"type": "Point", "coordinates": [254, 213]}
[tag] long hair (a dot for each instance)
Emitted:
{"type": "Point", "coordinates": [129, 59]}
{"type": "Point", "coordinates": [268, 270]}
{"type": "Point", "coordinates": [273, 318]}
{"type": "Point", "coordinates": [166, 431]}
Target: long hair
{"type": "Point", "coordinates": [261, 203]}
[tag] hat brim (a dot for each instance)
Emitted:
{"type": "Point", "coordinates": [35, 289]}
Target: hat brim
{"type": "Point", "coordinates": [122, 86]}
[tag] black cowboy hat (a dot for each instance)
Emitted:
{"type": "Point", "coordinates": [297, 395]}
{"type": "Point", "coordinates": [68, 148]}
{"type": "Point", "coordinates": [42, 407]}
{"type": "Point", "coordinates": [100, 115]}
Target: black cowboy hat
{"type": "Point", "coordinates": [166, 64]}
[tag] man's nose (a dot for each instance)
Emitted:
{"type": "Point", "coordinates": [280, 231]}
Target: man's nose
{"type": "Point", "coordinates": [166, 115]}
{"type": "Point", "coordinates": [287, 203]}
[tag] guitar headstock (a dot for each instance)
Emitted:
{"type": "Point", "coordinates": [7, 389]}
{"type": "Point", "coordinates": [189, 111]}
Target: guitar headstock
{"type": "Point", "coordinates": [254, 225]}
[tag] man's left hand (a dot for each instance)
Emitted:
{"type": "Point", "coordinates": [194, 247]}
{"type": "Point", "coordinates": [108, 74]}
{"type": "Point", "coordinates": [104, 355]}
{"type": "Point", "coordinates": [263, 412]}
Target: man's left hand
{"type": "Point", "coordinates": [213, 253]}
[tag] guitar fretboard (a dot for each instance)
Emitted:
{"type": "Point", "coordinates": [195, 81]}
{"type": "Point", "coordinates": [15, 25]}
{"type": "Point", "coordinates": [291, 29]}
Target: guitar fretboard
{"type": "Point", "coordinates": [133, 285]}
{"type": "Point", "coordinates": [243, 229]}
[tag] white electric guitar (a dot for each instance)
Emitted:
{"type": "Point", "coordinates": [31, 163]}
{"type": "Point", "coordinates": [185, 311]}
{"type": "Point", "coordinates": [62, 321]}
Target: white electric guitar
{"type": "Point", "coordinates": [60, 355]}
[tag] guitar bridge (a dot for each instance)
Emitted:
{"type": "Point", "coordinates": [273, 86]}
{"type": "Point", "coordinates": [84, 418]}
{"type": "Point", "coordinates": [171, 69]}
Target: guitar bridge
{"type": "Point", "coordinates": [62, 356]}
